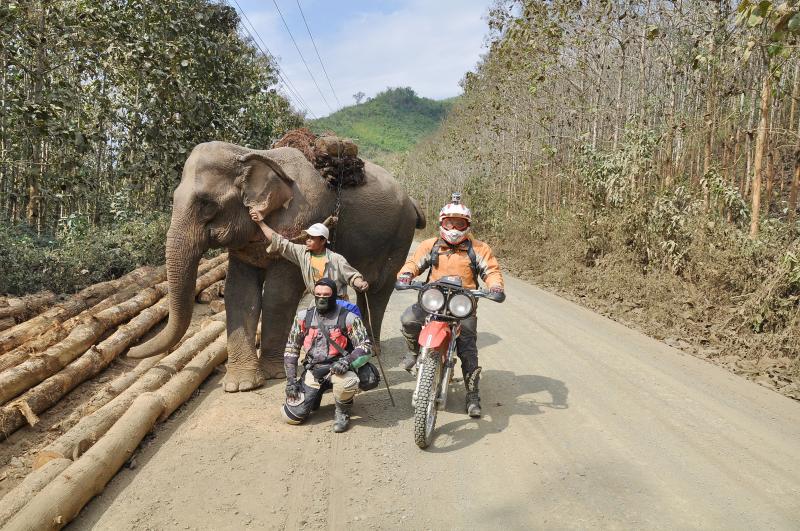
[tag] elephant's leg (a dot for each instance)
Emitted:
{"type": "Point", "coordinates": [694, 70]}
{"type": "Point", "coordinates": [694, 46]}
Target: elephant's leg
{"type": "Point", "coordinates": [378, 300]}
{"type": "Point", "coordinates": [243, 308]}
{"type": "Point", "coordinates": [283, 288]}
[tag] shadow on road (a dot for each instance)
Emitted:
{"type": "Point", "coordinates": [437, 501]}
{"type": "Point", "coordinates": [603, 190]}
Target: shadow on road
{"type": "Point", "coordinates": [503, 395]}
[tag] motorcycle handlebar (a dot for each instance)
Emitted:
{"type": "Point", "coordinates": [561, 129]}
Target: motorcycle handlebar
{"type": "Point", "coordinates": [478, 293]}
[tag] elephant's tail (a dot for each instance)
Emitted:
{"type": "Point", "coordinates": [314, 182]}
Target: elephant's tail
{"type": "Point", "coordinates": [421, 221]}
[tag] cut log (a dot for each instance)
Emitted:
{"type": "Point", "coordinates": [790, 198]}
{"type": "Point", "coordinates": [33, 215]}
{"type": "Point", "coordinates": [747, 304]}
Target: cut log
{"type": "Point", "coordinates": [7, 323]}
{"type": "Point", "coordinates": [61, 501]}
{"type": "Point", "coordinates": [94, 360]}
{"type": "Point", "coordinates": [21, 309]}
{"type": "Point", "coordinates": [16, 499]}
{"type": "Point", "coordinates": [86, 298]}
{"type": "Point", "coordinates": [217, 306]}
{"type": "Point", "coordinates": [213, 292]}
{"type": "Point", "coordinates": [16, 380]}
{"type": "Point", "coordinates": [60, 330]}
{"type": "Point", "coordinates": [91, 427]}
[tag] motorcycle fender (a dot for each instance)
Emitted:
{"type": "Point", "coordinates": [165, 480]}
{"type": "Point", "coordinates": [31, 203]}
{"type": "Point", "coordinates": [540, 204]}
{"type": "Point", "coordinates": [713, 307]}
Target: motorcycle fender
{"type": "Point", "coordinates": [434, 335]}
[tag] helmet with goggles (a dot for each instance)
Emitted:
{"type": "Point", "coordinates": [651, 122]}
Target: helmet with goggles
{"type": "Point", "coordinates": [454, 221]}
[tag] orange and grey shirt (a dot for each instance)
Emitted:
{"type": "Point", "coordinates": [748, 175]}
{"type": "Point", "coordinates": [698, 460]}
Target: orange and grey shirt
{"type": "Point", "coordinates": [454, 260]}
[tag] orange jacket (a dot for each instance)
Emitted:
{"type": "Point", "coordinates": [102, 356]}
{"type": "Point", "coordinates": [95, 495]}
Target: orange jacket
{"type": "Point", "coordinates": [454, 261]}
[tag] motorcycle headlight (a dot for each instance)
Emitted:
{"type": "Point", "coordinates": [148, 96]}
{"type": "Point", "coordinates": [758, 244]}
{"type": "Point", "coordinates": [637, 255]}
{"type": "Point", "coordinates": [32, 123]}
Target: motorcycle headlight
{"type": "Point", "coordinates": [460, 305]}
{"type": "Point", "coordinates": [432, 300]}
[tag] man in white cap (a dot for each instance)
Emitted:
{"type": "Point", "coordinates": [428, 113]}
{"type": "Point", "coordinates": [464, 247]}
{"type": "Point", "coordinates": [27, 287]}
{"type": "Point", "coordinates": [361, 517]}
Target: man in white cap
{"type": "Point", "coordinates": [316, 261]}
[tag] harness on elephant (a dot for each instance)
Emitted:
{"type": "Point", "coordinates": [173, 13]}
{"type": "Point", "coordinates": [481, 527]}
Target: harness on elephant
{"type": "Point", "coordinates": [433, 258]}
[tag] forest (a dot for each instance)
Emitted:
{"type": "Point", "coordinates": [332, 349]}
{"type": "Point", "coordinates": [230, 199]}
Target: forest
{"type": "Point", "coordinates": [641, 157]}
{"type": "Point", "coordinates": [100, 103]}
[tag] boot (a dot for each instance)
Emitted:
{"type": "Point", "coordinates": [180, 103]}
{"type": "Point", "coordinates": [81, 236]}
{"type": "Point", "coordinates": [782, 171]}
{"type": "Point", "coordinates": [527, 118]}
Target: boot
{"type": "Point", "coordinates": [341, 419]}
{"type": "Point", "coordinates": [410, 359]}
{"type": "Point", "coordinates": [473, 395]}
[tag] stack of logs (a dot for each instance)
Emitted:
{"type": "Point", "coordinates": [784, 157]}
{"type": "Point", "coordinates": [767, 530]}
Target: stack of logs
{"type": "Point", "coordinates": [44, 358]}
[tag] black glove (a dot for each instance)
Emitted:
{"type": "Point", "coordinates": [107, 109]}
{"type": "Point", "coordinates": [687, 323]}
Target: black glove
{"type": "Point", "coordinates": [340, 367]}
{"type": "Point", "coordinates": [292, 390]}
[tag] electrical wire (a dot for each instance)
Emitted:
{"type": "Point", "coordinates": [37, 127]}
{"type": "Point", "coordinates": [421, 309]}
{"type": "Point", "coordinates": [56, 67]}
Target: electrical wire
{"type": "Point", "coordinates": [285, 81]}
{"type": "Point", "coordinates": [285, 25]}
{"type": "Point", "coordinates": [321, 63]}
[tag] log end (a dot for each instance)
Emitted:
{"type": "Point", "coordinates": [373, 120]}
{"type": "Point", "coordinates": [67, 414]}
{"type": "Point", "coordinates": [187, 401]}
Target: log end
{"type": "Point", "coordinates": [44, 457]}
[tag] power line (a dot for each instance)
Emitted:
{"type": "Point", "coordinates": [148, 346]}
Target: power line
{"type": "Point", "coordinates": [288, 85]}
{"type": "Point", "coordinates": [317, 52]}
{"type": "Point", "coordinates": [285, 25]}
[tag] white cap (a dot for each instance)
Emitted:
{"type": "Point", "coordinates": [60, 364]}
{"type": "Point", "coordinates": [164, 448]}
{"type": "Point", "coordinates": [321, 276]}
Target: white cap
{"type": "Point", "coordinates": [318, 229]}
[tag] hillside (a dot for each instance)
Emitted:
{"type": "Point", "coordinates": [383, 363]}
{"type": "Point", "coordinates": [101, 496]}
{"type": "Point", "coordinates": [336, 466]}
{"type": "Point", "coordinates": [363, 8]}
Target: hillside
{"type": "Point", "coordinates": [391, 122]}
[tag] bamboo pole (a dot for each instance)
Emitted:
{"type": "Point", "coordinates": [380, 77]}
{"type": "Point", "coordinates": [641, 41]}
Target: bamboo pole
{"type": "Point", "coordinates": [91, 427]}
{"type": "Point", "coordinates": [61, 500]}
{"type": "Point", "coordinates": [26, 408]}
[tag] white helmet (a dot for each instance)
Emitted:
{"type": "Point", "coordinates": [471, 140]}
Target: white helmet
{"type": "Point", "coordinates": [454, 209]}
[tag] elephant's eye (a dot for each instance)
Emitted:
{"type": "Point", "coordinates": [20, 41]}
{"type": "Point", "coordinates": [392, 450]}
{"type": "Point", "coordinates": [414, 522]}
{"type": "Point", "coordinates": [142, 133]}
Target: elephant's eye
{"type": "Point", "coordinates": [207, 208]}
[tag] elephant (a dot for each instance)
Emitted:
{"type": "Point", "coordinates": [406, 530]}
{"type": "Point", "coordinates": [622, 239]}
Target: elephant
{"type": "Point", "coordinates": [220, 181]}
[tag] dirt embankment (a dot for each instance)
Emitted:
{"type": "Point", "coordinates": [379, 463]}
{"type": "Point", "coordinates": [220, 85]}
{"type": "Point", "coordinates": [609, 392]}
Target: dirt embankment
{"type": "Point", "coordinates": [702, 320]}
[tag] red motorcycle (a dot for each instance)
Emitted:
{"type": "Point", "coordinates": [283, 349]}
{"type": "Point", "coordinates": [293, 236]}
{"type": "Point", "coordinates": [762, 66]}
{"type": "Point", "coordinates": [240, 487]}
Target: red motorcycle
{"type": "Point", "coordinates": [447, 304]}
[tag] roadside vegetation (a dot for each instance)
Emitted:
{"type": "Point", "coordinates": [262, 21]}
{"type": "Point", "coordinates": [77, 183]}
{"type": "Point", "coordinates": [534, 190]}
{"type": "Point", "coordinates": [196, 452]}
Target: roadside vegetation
{"type": "Point", "coordinates": [643, 158]}
{"type": "Point", "coordinates": [100, 102]}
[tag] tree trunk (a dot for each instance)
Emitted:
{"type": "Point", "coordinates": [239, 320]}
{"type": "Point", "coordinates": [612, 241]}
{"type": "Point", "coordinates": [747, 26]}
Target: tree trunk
{"type": "Point", "coordinates": [90, 428]}
{"type": "Point", "coordinates": [214, 291]}
{"type": "Point", "coordinates": [21, 309]}
{"type": "Point", "coordinates": [60, 331]}
{"type": "Point", "coordinates": [761, 142]}
{"type": "Point", "coordinates": [86, 298]}
{"type": "Point", "coordinates": [61, 501]}
{"type": "Point", "coordinates": [793, 192]}
{"type": "Point", "coordinates": [14, 414]}
{"type": "Point", "coordinates": [17, 498]}
{"type": "Point", "coordinates": [770, 175]}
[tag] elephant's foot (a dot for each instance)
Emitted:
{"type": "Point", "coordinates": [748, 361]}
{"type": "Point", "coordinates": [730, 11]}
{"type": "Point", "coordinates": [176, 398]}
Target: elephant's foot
{"type": "Point", "coordinates": [243, 380]}
{"type": "Point", "coordinates": [274, 370]}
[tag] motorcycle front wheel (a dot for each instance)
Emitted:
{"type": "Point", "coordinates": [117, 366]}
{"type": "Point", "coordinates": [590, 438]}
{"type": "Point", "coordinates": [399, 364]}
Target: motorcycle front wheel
{"type": "Point", "coordinates": [425, 407]}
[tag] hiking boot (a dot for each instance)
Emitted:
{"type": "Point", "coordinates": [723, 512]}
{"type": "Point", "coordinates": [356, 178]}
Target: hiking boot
{"type": "Point", "coordinates": [341, 418]}
{"type": "Point", "coordinates": [473, 403]}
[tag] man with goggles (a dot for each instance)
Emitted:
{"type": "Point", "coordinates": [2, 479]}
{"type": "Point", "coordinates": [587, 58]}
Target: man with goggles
{"type": "Point", "coordinates": [453, 253]}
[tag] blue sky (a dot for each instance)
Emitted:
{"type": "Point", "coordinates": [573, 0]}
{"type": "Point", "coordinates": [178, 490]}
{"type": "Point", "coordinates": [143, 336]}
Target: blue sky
{"type": "Point", "coordinates": [367, 46]}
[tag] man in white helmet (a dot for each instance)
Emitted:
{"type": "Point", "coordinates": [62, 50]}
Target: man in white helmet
{"type": "Point", "coordinates": [453, 253]}
{"type": "Point", "coordinates": [316, 261]}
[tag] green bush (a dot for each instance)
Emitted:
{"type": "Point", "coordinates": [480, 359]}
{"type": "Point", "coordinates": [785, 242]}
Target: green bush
{"type": "Point", "coordinates": [79, 255]}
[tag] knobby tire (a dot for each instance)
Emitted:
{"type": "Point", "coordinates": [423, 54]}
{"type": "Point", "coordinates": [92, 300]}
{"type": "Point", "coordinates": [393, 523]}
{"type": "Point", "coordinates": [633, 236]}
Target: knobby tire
{"type": "Point", "coordinates": [425, 409]}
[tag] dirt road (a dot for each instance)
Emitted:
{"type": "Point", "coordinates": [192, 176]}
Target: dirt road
{"type": "Point", "coordinates": [587, 424]}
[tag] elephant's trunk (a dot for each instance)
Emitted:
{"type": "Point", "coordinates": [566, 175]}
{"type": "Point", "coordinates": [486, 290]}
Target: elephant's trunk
{"type": "Point", "coordinates": [184, 250]}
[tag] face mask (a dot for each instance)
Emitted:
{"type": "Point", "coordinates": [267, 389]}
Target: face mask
{"type": "Point", "coordinates": [324, 304]}
{"type": "Point", "coordinates": [453, 237]}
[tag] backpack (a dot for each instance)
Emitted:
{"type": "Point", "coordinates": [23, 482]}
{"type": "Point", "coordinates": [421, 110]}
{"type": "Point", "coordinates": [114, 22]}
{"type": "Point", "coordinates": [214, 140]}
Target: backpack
{"type": "Point", "coordinates": [434, 259]}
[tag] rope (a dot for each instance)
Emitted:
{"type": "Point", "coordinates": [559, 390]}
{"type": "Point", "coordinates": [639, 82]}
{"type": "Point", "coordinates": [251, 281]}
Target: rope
{"type": "Point", "coordinates": [378, 350]}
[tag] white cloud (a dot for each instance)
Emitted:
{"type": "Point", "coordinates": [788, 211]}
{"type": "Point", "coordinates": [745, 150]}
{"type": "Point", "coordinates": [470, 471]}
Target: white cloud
{"type": "Point", "coordinates": [426, 45]}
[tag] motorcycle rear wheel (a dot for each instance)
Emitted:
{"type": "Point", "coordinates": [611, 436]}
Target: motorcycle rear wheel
{"type": "Point", "coordinates": [425, 407]}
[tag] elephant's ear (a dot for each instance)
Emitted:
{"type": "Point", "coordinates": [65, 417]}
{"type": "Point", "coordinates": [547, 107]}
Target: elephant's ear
{"type": "Point", "coordinates": [257, 181]}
